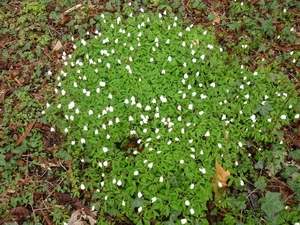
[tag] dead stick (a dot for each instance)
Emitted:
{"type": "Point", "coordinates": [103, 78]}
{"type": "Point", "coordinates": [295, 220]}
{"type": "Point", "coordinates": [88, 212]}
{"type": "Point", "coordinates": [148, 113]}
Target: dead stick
{"type": "Point", "coordinates": [72, 9]}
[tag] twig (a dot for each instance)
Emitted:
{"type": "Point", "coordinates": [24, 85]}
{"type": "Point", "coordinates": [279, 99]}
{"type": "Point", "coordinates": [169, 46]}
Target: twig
{"type": "Point", "coordinates": [72, 9]}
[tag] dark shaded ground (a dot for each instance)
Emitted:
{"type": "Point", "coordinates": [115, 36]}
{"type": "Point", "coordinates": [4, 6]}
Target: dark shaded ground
{"type": "Point", "coordinates": [19, 72]}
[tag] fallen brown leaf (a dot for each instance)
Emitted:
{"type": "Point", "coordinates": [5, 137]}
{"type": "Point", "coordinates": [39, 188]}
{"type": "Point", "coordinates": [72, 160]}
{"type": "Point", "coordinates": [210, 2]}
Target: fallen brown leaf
{"type": "Point", "coordinates": [221, 176]}
{"type": "Point", "coordinates": [217, 18]}
{"type": "Point", "coordinates": [57, 46]}
{"type": "Point", "coordinates": [79, 217]}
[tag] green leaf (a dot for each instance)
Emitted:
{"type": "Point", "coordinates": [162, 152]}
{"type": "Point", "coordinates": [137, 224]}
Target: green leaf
{"type": "Point", "coordinates": [271, 203]}
{"type": "Point", "coordinates": [268, 28]}
{"type": "Point", "coordinates": [288, 171]}
{"type": "Point", "coordinates": [260, 183]}
{"type": "Point", "coordinates": [137, 202]}
{"type": "Point", "coordinates": [260, 164]}
{"type": "Point", "coordinates": [211, 17]}
{"type": "Point", "coordinates": [265, 109]}
{"type": "Point", "coordinates": [295, 154]}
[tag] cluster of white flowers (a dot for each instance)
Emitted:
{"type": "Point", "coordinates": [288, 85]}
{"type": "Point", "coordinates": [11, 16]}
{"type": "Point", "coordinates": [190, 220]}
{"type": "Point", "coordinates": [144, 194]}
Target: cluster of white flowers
{"type": "Point", "coordinates": [157, 117]}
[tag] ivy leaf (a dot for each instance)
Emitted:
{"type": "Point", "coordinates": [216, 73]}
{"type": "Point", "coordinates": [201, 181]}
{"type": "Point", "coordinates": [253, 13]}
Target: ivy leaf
{"type": "Point", "coordinates": [265, 109]}
{"type": "Point", "coordinates": [260, 183]}
{"type": "Point", "coordinates": [295, 154]}
{"type": "Point", "coordinates": [137, 202]}
{"type": "Point", "coordinates": [272, 203]}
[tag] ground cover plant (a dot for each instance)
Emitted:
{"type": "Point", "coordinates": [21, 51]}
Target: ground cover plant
{"type": "Point", "coordinates": [261, 36]}
{"type": "Point", "coordinates": [149, 104]}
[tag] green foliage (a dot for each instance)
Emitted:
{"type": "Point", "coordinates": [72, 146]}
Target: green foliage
{"type": "Point", "coordinates": [271, 203]}
{"type": "Point", "coordinates": [150, 104]}
{"type": "Point", "coordinates": [260, 183]}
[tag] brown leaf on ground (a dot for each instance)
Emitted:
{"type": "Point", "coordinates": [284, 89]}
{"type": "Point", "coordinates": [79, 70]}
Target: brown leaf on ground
{"type": "Point", "coordinates": [19, 215]}
{"type": "Point", "coordinates": [221, 176]}
{"type": "Point", "coordinates": [217, 18]}
{"type": "Point", "coordinates": [79, 217]}
{"type": "Point", "coordinates": [57, 46]}
{"type": "Point", "coordinates": [220, 180]}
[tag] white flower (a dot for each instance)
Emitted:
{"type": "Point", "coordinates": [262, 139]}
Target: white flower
{"type": "Point", "coordinates": [140, 194]}
{"type": "Point", "coordinates": [240, 144]}
{"type": "Point", "coordinates": [52, 129]}
{"type": "Point", "coordinates": [183, 221]}
{"type": "Point", "coordinates": [181, 161]}
{"type": "Point", "coordinates": [203, 96]}
{"type": "Point", "coordinates": [102, 84]}
{"type": "Point", "coordinates": [153, 199]}
{"type": "Point", "coordinates": [63, 92]}
{"type": "Point", "coordinates": [253, 118]}
{"type": "Point", "coordinates": [135, 173]}
{"type": "Point", "coordinates": [119, 183]}
{"type": "Point", "coordinates": [123, 203]}
{"type": "Point", "coordinates": [109, 96]}
{"type": "Point", "coordinates": [187, 202]}
{"type": "Point", "coordinates": [161, 179]}
{"type": "Point", "coordinates": [140, 209]}
{"type": "Point", "coordinates": [91, 112]}
{"type": "Point", "coordinates": [255, 73]}
{"type": "Point", "coordinates": [82, 187]}
{"type": "Point", "coordinates": [96, 131]}
{"type": "Point", "coordinates": [283, 117]}
{"type": "Point", "coordinates": [247, 96]}
{"type": "Point", "coordinates": [105, 149]}
{"type": "Point", "coordinates": [170, 58]}
{"type": "Point", "coordinates": [117, 120]}
{"type": "Point", "coordinates": [114, 181]}
{"type": "Point", "coordinates": [202, 57]}
{"type": "Point", "coordinates": [82, 140]}
{"type": "Point", "coordinates": [130, 118]}
{"type": "Point", "coordinates": [180, 34]}
{"type": "Point", "coordinates": [207, 134]}
{"type": "Point", "coordinates": [220, 184]}
{"type": "Point", "coordinates": [85, 128]}
{"type": "Point", "coordinates": [202, 170]}
{"type": "Point", "coordinates": [190, 107]}
{"type": "Point", "coordinates": [210, 46]}
{"type": "Point", "coordinates": [163, 71]}
{"type": "Point", "coordinates": [201, 113]}
{"type": "Point", "coordinates": [163, 98]}
{"type": "Point", "coordinates": [150, 165]}
{"type": "Point", "coordinates": [192, 186]}
{"type": "Point", "coordinates": [219, 145]}
{"type": "Point", "coordinates": [192, 211]}
{"type": "Point", "coordinates": [297, 116]}
{"type": "Point", "coordinates": [242, 183]}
